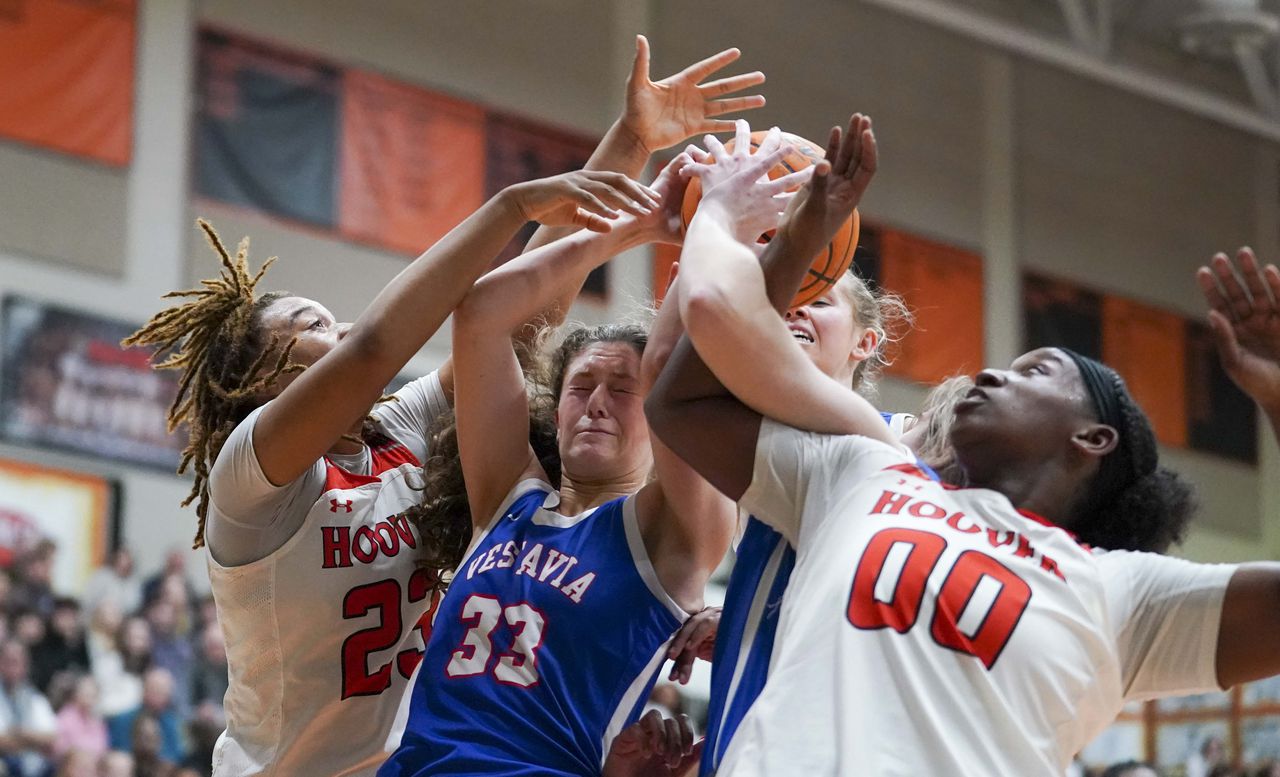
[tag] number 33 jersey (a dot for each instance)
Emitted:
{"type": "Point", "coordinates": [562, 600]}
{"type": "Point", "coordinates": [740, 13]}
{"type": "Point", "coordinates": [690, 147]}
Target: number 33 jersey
{"type": "Point", "coordinates": [545, 647]}
{"type": "Point", "coordinates": [930, 630]}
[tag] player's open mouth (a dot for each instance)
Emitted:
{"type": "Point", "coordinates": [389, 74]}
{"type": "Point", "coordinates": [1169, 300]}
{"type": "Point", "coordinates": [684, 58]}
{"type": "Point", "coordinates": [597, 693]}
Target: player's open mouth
{"type": "Point", "coordinates": [802, 336]}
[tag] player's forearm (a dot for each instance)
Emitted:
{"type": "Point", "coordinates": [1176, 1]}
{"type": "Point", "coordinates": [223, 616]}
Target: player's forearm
{"type": "Point", "coordinates": [534, 284]}
{"type": "Point", "coordinates": [416, 302]}
{"type": "Point", "coordinates": [785, 263]}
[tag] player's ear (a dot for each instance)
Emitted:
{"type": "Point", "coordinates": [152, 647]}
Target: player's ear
{"type": "Point", "coordinates": [865, 346]}
{"type": "Point", "coordinates": [1096, 440]}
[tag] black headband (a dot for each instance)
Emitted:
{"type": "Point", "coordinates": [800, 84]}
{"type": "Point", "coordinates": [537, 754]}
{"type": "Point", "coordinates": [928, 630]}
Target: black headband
{"type": "Point", "coordinates": [1109, 397]}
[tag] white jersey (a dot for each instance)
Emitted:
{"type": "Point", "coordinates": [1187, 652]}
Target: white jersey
{"type": "Point", "coordinates": [930, 630]}
{"type": "Point", "coordinates": [323, 631]}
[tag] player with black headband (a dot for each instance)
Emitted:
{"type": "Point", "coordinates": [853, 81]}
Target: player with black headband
{"type": "Point", "coordinates": [988, 630]}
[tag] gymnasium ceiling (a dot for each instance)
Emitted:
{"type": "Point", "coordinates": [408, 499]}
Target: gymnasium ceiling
{"type": "Point", "coordinates": [1226, 50]}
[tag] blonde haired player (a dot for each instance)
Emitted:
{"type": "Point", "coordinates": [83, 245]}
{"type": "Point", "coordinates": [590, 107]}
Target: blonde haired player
{"type": "Point", "coordinates": [969, 631]}
{"type": "Point", "coordinates": [313, 566]}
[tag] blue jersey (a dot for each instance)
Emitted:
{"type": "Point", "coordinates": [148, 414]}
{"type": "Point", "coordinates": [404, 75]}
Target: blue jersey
{"type": "Point", "coordinates": [748, 625]}
{"type": "Point", "coordinates": [545, 647]}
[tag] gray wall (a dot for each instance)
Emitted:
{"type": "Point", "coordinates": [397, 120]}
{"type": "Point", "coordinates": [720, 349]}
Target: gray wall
{"type": "Point", "coordinates": [1028, 165]}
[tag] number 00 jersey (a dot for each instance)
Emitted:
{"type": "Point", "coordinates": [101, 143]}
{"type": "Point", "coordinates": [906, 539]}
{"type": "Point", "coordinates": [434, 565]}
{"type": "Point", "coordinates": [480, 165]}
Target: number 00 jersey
{"type": "Point", "coordinates": [324, 631]}
{"type": "Point", "coordinates": [749, 624]}
{"type": "Point", "coordinates": [929, 630]}
{"type": "Point", "coordinates": [545, 647]}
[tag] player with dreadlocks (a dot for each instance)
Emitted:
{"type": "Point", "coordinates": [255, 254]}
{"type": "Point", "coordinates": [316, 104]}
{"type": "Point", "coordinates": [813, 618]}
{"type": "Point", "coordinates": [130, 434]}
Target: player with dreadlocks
{"type": "Point", "coordinates": [302, 491]}
{"type": "Point", "coordinates": [301, 488]}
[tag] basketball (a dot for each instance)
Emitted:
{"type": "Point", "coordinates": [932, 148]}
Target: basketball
{"type": "Point", "coordinates": [833, 261]}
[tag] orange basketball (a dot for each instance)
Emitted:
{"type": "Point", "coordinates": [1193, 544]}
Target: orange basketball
{"type": "Point", "coordinates": [832, 262]}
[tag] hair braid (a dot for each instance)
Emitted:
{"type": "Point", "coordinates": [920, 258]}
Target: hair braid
{"type": "Point", "coordinates": [215, 338]}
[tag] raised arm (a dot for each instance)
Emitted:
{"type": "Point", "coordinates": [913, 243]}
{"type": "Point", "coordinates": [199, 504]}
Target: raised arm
{"type": "Point", "coordinates": [689, 401]}
{"type": "Point", "coordinates": [491, 404]}
{"type": "Point", "coordinates": [687, 523]}
{"type": "Point", "coordinates": [661, 114]}
{"type": "Point", "coordinates": [290, 434]}
{"type": "Point", "coordinates": [1245, 317]}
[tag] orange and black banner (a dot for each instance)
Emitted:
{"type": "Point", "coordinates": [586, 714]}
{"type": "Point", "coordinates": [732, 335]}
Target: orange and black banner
{"type": "Point", "coordinates": [1168, 362]}
{"type": "Point", "coordinates": [66, 76]}
{"type": "Point", "coordinates": [412, 162]}
{"type": "Point", "coordinates": [521, 150]}
{"type": "Point", "coordinates": [267, 129]}
{"type": "Point", "coordinates": [368, 158]}
{"type": "Point", "coordinates": [942, 285]}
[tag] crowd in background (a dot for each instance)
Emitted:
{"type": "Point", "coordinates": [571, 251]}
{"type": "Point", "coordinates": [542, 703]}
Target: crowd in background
{"type": "Point", "coordinates": [126, 681]}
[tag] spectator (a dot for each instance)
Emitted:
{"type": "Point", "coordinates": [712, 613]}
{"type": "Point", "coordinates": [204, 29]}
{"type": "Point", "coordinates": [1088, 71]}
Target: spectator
{"type": "Point", "coordinates": [27, 723]}
{"type": "Point", "coordinates": [1131, 769]}
{"type": "Point", "coordinates": [63, 647]}
{"type": "Point", "coordinates": [78, 763]}
{"type": "Point", "coordinates": [1268, 768]}
{"type": "Point", "coordinates": [157, 705]}
{"type": "Point", "coordinates": [204, 730]}
{"type": "Point", "coordinates": [210, 680]}
{"type": "Point", "coordinates": [175, 565]}
{"type": "Point", "coordinates": [1212, 753]}
{"type": "Point", "coordinates": [172, 650]}
{"type": "Point", "coordinates": [32, 587]}
{"type": "Point", "coordinates": [206, 611]}
{"type": "Point", "coordinates": [28, 627]}
{"type": "Point", "coordinates": [115, 764]}
{"type": "Point", "coordinates": [118, 665]}
{"type": "Point", "coordinates": [80, 727]}
{"type": "Point", "coordinates": [148, 747]}
{"type": "Point", "coordinates": [115, 581]}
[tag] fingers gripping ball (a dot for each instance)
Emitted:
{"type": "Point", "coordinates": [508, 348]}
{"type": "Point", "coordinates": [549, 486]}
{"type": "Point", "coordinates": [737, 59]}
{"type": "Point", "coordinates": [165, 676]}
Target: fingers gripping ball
{"type": "Point", "coordinates": [832, 262]}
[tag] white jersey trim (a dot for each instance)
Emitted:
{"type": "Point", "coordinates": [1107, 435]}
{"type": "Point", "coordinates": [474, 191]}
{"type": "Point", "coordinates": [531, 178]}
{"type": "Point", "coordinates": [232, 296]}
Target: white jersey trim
{"type": "Point", "coordinates": [643, 564]}
{"type": "Point", "coordinates": [632, 697]}
{"type": "Point", "coordinates": [758, 602]}
{"type": "Point", "coordinates": [517, 491]}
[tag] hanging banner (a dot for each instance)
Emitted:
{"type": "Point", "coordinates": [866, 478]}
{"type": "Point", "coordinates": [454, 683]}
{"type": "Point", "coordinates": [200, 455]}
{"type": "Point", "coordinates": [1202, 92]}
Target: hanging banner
{"type": "Point", "coordinates": [66, 76]}
{"type": "Point", "coordinates": [1061, 314]}
{"type": "Point", "coordinates": [942, 285]}
{"type": "Point", "coordinates": [1148, 347]}
{"type": "Point", "coordinates": [68, 384]}
{"type": "Point", "coordinates": [1221, 418]}
{"type": "Point", "coordinates": [71, 510]}
{"type": "Point", "coordinates": [520, 150]}
{"type": "Point", "coordinates": [412, 163]}
{"type": "Point", "coordinates": [266, 129]}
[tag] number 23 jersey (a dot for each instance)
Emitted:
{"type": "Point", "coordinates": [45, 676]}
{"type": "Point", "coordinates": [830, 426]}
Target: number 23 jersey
{"type": "Point", "coordinates": [323, 631]}
{"type": "Point", "coordinates": [930, 630]}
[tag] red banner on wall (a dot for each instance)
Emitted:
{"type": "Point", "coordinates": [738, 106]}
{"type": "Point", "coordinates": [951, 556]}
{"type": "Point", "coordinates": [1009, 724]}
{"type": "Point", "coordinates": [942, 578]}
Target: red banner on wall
{"type": "Point", "coordinates": [943, 287]}
{"type": "Point", "coordinates": [1148, 347]}
{"type": "Point", "coordinates": [66, 76]}
{"type": "Point", "coordinates": [412, 162]}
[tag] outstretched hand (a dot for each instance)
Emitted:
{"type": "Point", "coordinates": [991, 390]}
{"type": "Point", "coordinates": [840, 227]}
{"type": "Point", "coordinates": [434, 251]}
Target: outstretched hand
{"type": "Point", "coordinates": [654, 746]}
{"type": "Point", "coordinates": [837, 186]}
{"type": "Point", "coordinates": [582, 198]}
{"type": "Point", "coordinates": [1244, 298]}
{"type": "Point", "coordinates": [660, 114]}
{"type": "Point", "coordinates": [736, 188]}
